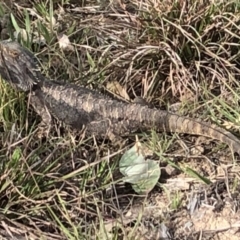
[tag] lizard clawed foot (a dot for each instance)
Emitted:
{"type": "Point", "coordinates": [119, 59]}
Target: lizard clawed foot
{"type": "Point", "coordinates": [43, 130]}
{"type": "Point", "coordinates": [117, 140]}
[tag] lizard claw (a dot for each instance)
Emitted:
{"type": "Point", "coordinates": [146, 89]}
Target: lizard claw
{"type": "Point", "coordinates": [43, 131]}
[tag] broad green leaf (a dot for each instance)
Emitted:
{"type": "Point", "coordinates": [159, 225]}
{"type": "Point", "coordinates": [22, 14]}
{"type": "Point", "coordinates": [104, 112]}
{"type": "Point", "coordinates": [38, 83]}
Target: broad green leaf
{"type": "Point", "coordinates": [143, 174]}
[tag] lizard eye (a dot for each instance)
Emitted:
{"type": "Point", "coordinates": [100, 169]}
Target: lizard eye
{"type": "Point", "coordinates": [14, 53]}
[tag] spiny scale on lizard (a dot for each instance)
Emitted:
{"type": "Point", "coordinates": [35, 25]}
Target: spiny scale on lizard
{"type": "Point", "coordinates": [78, 106]}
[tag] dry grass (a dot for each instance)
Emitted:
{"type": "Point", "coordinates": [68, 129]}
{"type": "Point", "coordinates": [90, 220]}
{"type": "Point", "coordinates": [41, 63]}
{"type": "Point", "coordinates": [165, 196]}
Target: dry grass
{"type": "Point", "coordinates": [178, 55]}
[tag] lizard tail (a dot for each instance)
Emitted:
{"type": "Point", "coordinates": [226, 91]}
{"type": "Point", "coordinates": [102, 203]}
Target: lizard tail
{"type": "Point", "coordinates": [171, 122]}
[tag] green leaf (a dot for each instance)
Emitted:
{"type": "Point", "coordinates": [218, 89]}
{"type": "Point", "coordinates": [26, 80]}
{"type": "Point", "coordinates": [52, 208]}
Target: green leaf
{"type": "Point", "coordinates": [14, 22]}
{"type": "Point", "coordinates": [90, 60]}
{"type": "Point", "coordinates": [16, 155]}
{"type": "Point", "coordinates": [143, 174]}
{"type": "Point", "coordinates": [193, 173]}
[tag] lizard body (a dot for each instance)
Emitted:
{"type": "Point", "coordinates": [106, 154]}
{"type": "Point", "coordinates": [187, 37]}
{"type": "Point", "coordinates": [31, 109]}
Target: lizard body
{"type": "Point", "coordinates": [79, 106]}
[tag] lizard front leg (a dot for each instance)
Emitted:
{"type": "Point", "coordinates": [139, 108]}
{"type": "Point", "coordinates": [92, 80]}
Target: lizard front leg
{"type": "Point", "coordinates": [41, 109]}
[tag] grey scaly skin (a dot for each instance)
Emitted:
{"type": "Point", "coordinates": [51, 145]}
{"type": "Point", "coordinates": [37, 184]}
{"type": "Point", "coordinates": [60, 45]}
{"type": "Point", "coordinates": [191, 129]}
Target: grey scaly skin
{"type": "Point", "coordinates": [81, 107]}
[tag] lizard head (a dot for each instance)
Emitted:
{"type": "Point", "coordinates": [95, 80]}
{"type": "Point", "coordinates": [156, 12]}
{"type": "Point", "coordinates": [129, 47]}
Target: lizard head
{"type": "Point", "coordinates": [18, 66]}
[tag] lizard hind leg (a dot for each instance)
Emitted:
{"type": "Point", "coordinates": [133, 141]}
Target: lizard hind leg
{"type": "Point", "coordinates": [106, 128]}
{"type": "Point", "coordinates": [40, 108]}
